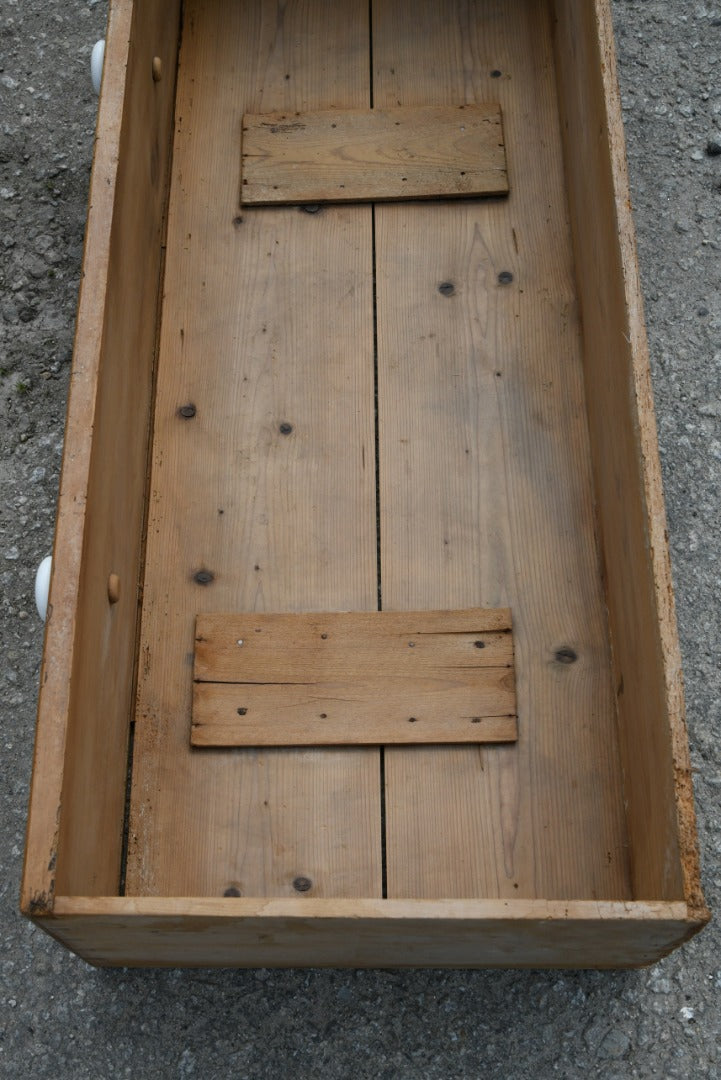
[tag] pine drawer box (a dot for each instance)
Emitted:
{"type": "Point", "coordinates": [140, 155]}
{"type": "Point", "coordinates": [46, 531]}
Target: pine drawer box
{"type": "Point", "coordinates": [415, 385]}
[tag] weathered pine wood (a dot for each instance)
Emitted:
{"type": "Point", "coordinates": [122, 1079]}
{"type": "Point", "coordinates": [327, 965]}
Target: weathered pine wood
{"type": "Point", "coordinates": [369, 933]}
{"type": "Point", "coordinates": [485, 487]}
{"type": "Point", "coordinates": [263, 488]}
{"type": "Point", "coordinates": [632, 523]}
{"type": "Point", "coordinates": [264, 453]}
{"type": "Point", "coordinates": [353, 678]}
{"type": "Point", "coordinates": [421, 643]}
{"type": "Point", "coordinates": [404, 711]}
{"type": "Point", "coordinates": [373, 155]}
{"type": "Point", "coordinates": [75, 824]}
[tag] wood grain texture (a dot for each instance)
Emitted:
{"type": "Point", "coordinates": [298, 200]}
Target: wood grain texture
{"type": "Point", "coordinates": [262, 493]}
{"type": "Point", "coordinates": [366, 678]}
{"type": "Point", "coordinates": [421, 644]}
{"type": "Point", "coordinates": [369, 933]}
{"type": "Point", "coordinates": [75, 824]}
{"type": "Point", "coordinates": [632, 523]}
{"type": "Point", "coordinates": [485, 487]}
{"type": "Point", "coordinates": [373, 155]}
{"type": "Point", "coordinates": [456, 709]}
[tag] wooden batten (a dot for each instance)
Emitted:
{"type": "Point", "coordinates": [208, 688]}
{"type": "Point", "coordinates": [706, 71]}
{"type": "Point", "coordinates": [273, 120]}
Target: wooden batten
{"type": "Point", "coordinates": [354, 679]}
{"type": "Point", "coordinates": [86, 697]}
{"type": "Point", "coordinates": [373, 155]}
{"type": "Point", "coordinates": [630, 506]}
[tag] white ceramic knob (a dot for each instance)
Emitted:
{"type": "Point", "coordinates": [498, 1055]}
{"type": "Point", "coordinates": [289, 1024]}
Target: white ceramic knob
{"type": "Point", "coordinates": [42, 586]}
{"type": "Point", "coordinates": [96, 65]}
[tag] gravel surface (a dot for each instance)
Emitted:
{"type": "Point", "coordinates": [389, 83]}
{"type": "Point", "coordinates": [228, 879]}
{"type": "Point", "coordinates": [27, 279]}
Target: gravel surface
{"type": "Point", "coordinates": [61, 1018]}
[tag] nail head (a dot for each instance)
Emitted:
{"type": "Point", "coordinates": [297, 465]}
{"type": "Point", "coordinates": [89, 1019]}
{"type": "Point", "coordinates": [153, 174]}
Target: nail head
{"type": "Point", "coordinates": [113, 589]}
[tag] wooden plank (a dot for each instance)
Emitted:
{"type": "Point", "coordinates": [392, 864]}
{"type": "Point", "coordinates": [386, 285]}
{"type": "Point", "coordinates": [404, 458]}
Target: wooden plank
{"type": "Point", "coordinates": [86, 686]}
{"type": "Point", "coordinates": [263, 493]}
{"type": "Point", "coordinates": [420, 644]}
{"type": "Point", "coordinates": [485, 488]}
{"type": "Point", "coordinates": [632, 522]}
{"type": "Point", "coordinates": [364, 155]}
{"type": "Point", "coordinates": [384, 712]}
{"type": "Point", "coordinates": [353, 678]}
{"type": "Point", "coordinates": [369, 933]}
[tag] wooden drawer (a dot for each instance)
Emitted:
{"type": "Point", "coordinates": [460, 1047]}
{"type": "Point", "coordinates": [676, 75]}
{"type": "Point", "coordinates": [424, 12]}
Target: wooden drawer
{"type": "Point", "coordinates": [414, 406]}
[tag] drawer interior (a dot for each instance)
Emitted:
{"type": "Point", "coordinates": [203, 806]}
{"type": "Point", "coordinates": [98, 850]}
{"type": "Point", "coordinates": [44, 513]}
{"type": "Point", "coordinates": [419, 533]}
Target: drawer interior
{"type": "Point", "coordinates": [365, 406]}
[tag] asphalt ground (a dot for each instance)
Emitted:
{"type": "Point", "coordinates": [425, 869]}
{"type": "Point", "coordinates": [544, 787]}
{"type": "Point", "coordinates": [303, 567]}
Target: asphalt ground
{"type": "Point", "coordinates": [60, 1018]}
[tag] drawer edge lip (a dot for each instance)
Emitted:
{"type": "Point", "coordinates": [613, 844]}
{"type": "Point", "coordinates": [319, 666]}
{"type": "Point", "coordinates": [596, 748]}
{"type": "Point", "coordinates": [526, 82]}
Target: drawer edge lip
{"type": "Point", "coordinates": [44, 808]}
{"type": "Point", "coordinates": [173, 908]}
{"type": "Point", "coordinates": [650, 465]}
{"type": "Point", "coordinates": [288, 933]}
{"type": "Point", "coordinates": [685, 857]}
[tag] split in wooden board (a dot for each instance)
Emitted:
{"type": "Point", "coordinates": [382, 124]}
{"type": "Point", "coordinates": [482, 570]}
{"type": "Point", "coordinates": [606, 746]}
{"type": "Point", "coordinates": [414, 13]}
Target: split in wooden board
{"type": "Point", "coordinates": [362, 678]}
{"type": "Point", "coordinates": [373, 155]}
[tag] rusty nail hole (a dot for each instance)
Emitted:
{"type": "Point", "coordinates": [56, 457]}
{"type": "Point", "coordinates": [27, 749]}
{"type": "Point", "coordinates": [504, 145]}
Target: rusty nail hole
{"type": "Point", "coordinates": [157, 69]}
{"type": "Point", "coordinates": [237, 221]}
{"type": "Point", "coordinates": [311, 208]}
{"type": "Point", "coordinates": [566, 655]}
{"type": "Point", "coordinates": [479, 644]}
{"type": "Point", "coordinates": [232, 890]}
{"type": "Point", "coordinates": [446, 288]}
{"type": "Point", "coordinates": [411, 644]}
{"type": "Point", "coordinates": [324, 716]}
{"type": "Point", "coordinates": [113, 589]}
{"type": "Point", "coordinates": [302, 884]}
{"type": "Point", "coordinates": [285, 428]}
{"type": "Point", "coordinates": [411, 719]}
{"type": "Point", "coordinates": [187, 411]}
{"type": "Point", "coordinates": [324, 637]}
{"type": "Point", "coordinates": [203, 577]}
{"type": "Point", "coordinates": [242, 712]}
{"type": "Point", "coordinates": [495, 74]}
{"type": "Point", "coordinates": [505, 277]}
